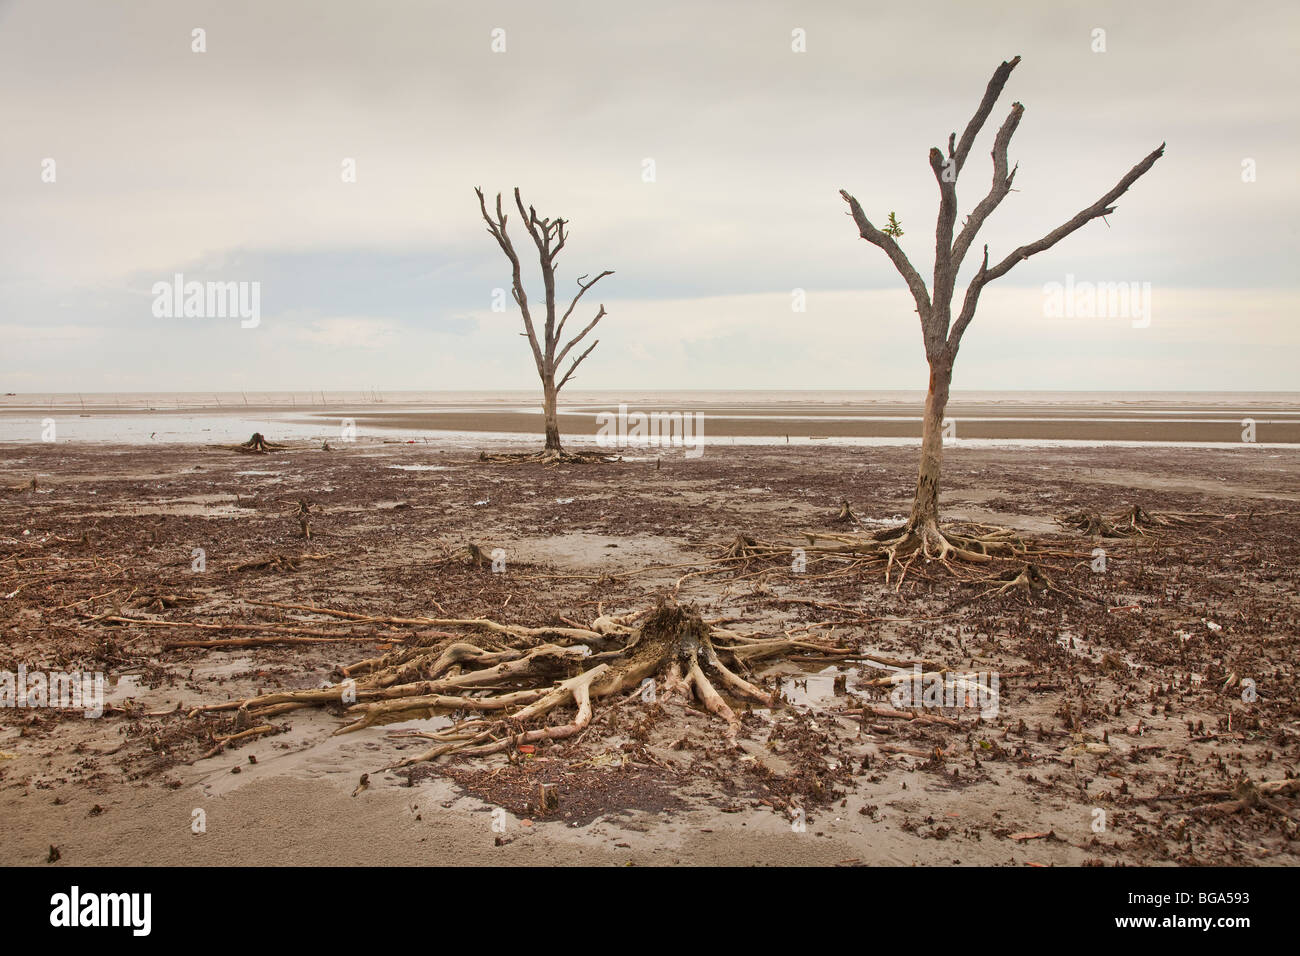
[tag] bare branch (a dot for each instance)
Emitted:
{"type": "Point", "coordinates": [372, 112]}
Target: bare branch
{"type": "Point", "coordinates": [896, 255]}
{"type": "Point", "coordinates": [561, 235]}
{"type": "Point", "coordinates": [497, 228]}
{"type": "Point", "coordinates": [944, 274]}
{"type": "Point", "coordinates": [1102, 207]}
{"type": "Point", "coordinates": [947, 259]}
{"type": "Point", "coordinates": [578, 361]}
{"type": "Point", "coordinates": [582, 289]}
{"type": "Point", "coordinates": [541, 231]}
{"type": "Point", "coordinates": [997, 192]}
{"type": "Point", "coordinates": [559, 360]}
{"type": "Point", "coordinates": [991, 94]}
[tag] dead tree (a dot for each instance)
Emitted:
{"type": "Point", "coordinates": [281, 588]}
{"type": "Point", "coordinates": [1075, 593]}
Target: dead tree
{"type": "Point", "coordinates": [550, 236]}
{"type": "Point", "coordinates": [942, 335]}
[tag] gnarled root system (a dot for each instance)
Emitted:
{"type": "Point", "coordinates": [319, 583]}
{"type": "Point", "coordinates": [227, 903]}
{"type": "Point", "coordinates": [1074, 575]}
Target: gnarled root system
{"type": "Point", "coordinates": [505, 694]}
{"type": "Point", "coordinates": [553, 456]}
{"type": "Point", "coordinates": [1133, 522]}
{"type": "Point", "coordinates": [257, 445]}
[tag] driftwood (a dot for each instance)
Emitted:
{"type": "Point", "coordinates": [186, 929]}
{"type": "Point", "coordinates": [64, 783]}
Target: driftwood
{"type": "Point", "coordinates": [1246, 795]}
{"type": "Point", "coordinates": [891, 713]}
{"type": "Point", "coordinates": [280, 562]}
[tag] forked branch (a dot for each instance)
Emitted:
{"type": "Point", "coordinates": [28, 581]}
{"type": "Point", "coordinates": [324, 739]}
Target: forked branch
{"type": "Point", "coordinates": [896, 255]}
{"type": "Point", "coordinates": [935, 307]}
{"type": "Point", "coordinates": [986, 274]}
{"type": "Point", "coordinates": [550, 237]}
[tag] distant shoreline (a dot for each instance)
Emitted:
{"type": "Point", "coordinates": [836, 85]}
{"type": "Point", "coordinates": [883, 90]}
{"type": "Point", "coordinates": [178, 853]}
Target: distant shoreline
{"type": "Point", "coordinates": [1171, 418]}
{"type": "Point", "coordinates": [262, 401]}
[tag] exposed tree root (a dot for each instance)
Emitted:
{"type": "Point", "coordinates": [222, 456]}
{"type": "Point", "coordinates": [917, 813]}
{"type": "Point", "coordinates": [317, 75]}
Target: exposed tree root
{"type": "Point", "coordinates": [549, 457]}
{"type": "Point", "coordinates": [471, 554]}
{"type": "Point", "coordinates": [257, 445]}
{"type": "Point", "coordinates": [304, 515]}
{"type": "Point", "coordinates": [846, 515]}
{"type": "Point", "coordinates": [505, 696]}
{"type": "Point", "coordinates": [881, 711]}
{"type": "Point", "coordinates": [1132, 522]}
{"type": "Point", "coordinates": [893, 547]}
{"type": "Point", "coordinates": [901, 546]}
{"type": "Point", "coordinates": [1028, 581]}
{"type": "Point", "coordinates": [156, 600]}
{"type": "Point", "coordinates": [935, 544]}
{"type": "Point", "coordinates": [280, 562]}
{"type": "Point", "coordinates": [222, 742]}
{"type": "Point", "coordinates": [1246, 795]}
{"type": "Point", "coordinates": [742, 546]}
{"type": "Point", "coordinates": [270, 634]}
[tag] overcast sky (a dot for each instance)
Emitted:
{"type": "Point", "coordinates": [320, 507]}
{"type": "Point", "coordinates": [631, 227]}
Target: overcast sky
{"type": "Point", "coordinates": [226, 165]}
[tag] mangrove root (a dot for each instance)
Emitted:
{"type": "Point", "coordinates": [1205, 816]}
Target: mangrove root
{"type": "Point", "coordinates": [257, 445]}
{"type": "Point", "coordinates": [507, 696]}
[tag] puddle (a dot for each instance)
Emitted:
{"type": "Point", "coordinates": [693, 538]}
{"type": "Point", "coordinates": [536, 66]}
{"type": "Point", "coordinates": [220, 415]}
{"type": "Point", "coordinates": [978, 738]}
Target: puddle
{"type": "Point", "coordinates": [427, 720]}
{"type": "Point", "coordinates": [420, 467]}
{"type": "Point", "coordinates": [810, 690]}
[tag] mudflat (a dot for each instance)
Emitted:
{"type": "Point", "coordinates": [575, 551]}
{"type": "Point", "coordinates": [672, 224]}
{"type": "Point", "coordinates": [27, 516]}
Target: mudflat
{"type": "Point", "coordinates": [1147, 707]}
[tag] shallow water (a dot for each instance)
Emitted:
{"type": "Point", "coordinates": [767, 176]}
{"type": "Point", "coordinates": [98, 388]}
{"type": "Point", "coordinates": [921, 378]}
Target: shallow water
{"type": "Point", "coordinates": [452, 419]}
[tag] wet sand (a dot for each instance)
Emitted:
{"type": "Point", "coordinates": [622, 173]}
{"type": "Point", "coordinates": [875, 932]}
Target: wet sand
{"type": "Point", "coordinates": [1117, 699]}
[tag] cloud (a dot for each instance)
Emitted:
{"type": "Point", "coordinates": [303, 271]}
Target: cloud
{"type": "Point", "coordinates": [27, 335]}
{"type": "Point", "coordinates": [348, 333]}
{"type": "Point", "coordinates": [228, 165]}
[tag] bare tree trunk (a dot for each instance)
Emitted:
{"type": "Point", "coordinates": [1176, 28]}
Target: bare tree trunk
{"type": "Point", "coordinates": [925, 508]}
{"type": "Point", "coordinates": [550, 401]}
